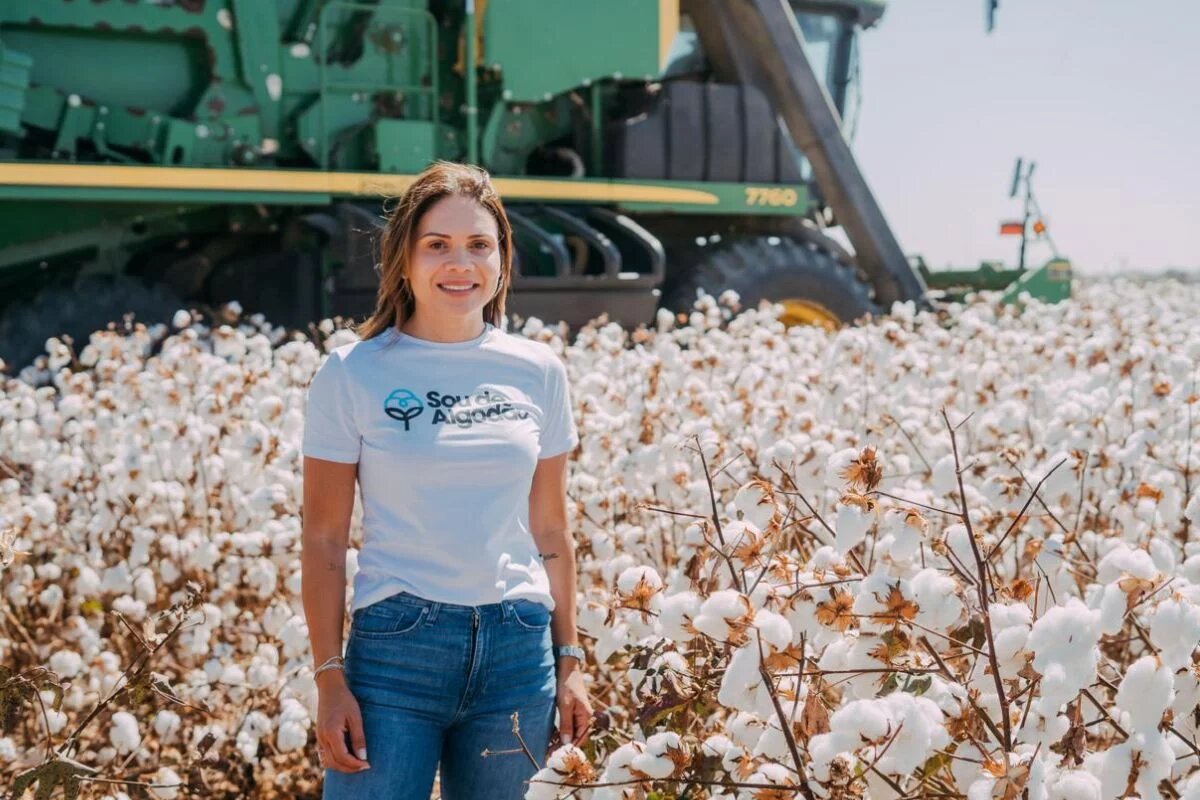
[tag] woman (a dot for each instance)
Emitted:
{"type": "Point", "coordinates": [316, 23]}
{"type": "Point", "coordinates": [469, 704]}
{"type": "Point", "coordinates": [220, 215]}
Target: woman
{"type": "Point", "coordinates": [464, 600]}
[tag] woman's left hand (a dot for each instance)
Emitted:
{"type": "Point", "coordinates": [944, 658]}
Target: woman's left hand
{"type": "Point", "coordinates": [574, 710]}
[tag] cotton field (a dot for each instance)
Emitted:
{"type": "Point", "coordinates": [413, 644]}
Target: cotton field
{"type": "Point", "coordinates": [946, 554]}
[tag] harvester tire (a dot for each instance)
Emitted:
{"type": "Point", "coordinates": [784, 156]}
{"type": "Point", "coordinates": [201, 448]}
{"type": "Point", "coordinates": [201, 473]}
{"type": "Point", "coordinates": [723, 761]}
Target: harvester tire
{"type": "Point", "coordinates": [78, 311]}
{"type": "Point", "coordinates": [776, 269]}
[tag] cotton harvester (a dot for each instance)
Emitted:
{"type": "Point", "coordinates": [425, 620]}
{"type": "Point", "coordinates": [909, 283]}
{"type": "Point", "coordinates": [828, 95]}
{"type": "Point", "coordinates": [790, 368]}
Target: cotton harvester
{"type": "Point", "coordinates": [162, 153]}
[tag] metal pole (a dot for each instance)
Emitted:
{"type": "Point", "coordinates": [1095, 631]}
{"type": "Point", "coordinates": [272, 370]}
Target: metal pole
{"type": "Point", "coordinates": [1025, 219]}
{"type": "Point", "coordinates": [472, 109]}
{"type": "Point", "coordinates": [597, 121]}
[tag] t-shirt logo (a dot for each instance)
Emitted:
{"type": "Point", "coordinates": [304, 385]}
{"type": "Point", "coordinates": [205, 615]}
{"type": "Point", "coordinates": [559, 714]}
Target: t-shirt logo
{"type": "Point", "coordinates": [461, 410]}
{"type": "Point", "coordinates": [403, 405]}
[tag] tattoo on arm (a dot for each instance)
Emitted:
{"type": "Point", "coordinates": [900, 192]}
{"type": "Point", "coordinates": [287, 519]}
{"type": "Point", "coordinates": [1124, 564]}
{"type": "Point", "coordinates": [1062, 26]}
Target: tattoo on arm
{"type": "Point", "coordinates": [548, 556]}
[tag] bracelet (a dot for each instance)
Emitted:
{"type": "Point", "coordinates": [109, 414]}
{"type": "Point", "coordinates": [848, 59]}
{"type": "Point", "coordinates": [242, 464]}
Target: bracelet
{"type": "Point", "coordinates": [561, 650]}
{"type": "Point", "coordinates": [333, 662]}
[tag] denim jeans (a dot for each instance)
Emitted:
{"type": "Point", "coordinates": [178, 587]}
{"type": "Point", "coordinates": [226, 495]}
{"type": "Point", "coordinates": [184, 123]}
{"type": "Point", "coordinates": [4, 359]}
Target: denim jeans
{"type": "Point", "coordinates": [437, 683]}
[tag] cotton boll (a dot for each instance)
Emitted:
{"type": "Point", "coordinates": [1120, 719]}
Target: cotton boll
{"type": "Point", "coordinates": [836, 464]}
{"type": "Point", "coordinates": [756, 501]}
{"type": "Point", "coordinates": [676, 613]}
{"type": "Point", "coordinates": [772, 744]}
{"type": "Point", "coordinates": [167, 783]}
{"type": "Point", "coordinates": [639, 584]}
{"type": "Point", "coordinates": [1074, 785]}
{"type": "Point", "coordinates": [745, 729]}
{"type": "Point", "coordinates": [1192, 512]}
{"type": "Point", "coordinates": [1112, 606]}
{"type": "Point", "coordinates": [774, 629]}
{"type": "Point", "coordinates": [744, 541]}
{"type": "Point", "coordinates": [86, 584]}
{"type": "Point", "coordinates": [291, 729]}
{"type": "Point", "coordinates": [854, 517]}
{"type": "Point", "coordinates": [261, 673]}
{"type": "Point", "coordinates": [51, 598]}
{"type": "Point", "coordinates": [1121, 561]}
{"type": "Point", "coordinates": [742, 682]}
{"type": "Point", "coordinates": [1175, 631]}
{"type": "Point", "coordinates": [1010, 630]}
{"type": "Point", "coordinates": [936, 595]}
{"type": "Point", "coordinates": [620, 761]}
{"type": "Point", "coordinates": [1113, 766]}
{"type": "Point", "coordinates": [722, 614]}
{"type": "Point", "coordinates": [66, 663]}
{"type": "Point", "coordinates": [1145, 693]}
{"type": "Point", "coordinates": [1191, 789]}
{"type": "Point", "coordinates": [55, 720]}
{"type": "Point", "coordinates": [247, 746]}
{"type": "Point", "coordinates": [664, 755]}
{"type": "Point", "coordinates": [166, 724]}
{"type": "Point", "coordinates": [944, 480]}
{"type": "Point", "coordinates": [907, 528]}
{"type": "Point", "coordinates": [1064, 642]}
{"type": "Point", "coordinates": [124, 733]}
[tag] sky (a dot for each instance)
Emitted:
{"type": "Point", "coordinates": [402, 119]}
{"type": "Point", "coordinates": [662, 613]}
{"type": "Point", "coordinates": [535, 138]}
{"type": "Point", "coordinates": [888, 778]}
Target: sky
{"type": "Point", "coordinates": [1103, 94]}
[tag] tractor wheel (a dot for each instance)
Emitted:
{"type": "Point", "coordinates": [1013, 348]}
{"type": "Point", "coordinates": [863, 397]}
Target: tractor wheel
{"type": "Point", "coordinates": [78, 311]}
{"type": "Point", "coordinates": [813, 287]}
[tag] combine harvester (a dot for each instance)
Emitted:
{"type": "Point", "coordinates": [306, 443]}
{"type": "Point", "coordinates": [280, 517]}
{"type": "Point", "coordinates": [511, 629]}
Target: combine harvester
{"type": "Point", "coordinates": [201, 151]}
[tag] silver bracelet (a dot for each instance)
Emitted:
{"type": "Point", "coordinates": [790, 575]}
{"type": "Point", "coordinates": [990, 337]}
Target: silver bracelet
{"type": "Point", "coordinates": [333, 662]}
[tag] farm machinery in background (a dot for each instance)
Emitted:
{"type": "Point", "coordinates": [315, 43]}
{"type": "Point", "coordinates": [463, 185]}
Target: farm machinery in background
{"type": "Point", "coordinates": [193, 152]}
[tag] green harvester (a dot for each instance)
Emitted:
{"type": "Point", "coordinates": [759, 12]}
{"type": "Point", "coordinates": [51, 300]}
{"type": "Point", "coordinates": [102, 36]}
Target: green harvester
{"type": "Point", "coordinates": [163, 153]}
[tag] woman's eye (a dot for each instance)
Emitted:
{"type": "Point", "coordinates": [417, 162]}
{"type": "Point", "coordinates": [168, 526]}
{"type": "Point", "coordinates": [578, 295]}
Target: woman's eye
{"type": "Point", "coordinates": [481, 245]}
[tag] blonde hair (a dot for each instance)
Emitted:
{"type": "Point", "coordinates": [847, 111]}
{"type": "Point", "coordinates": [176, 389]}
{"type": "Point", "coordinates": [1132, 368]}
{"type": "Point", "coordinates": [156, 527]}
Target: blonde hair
{"type": "Point", "coordinates": [395, 302]}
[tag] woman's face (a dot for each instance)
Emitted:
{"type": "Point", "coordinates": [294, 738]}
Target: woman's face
{"type": "Point", "coordinates": [456, 244]}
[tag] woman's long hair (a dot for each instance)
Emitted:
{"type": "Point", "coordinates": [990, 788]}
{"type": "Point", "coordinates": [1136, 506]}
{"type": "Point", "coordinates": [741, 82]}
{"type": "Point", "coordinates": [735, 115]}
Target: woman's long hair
{"type": "Point", "coordinates": [394, 302]}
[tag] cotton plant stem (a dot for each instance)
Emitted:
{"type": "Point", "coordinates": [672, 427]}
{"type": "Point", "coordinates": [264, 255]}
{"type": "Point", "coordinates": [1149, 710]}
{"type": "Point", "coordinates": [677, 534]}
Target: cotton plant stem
{"type": "Point", "coordinates": [983, 587]}
{"type": "Point", "coordinates": [1016, 520]}
{"type": "Point", "coordinates": [716, 516]}
{"type": "Point", "coordinates": [987, 721]}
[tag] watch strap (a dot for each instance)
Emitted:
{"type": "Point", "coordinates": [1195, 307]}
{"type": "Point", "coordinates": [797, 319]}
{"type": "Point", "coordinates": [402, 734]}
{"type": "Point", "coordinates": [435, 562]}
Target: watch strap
{"type": "Point", "coordinates": [561, 650]}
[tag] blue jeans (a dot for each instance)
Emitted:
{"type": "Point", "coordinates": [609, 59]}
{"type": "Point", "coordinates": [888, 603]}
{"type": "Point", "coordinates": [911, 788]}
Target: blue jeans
{"type": "Point", "coordinates": [438, 683]}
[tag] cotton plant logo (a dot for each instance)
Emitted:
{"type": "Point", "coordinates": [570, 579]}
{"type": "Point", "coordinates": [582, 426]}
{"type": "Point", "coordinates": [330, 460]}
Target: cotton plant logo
{"type": "Point", "coordinates": [403, 405]}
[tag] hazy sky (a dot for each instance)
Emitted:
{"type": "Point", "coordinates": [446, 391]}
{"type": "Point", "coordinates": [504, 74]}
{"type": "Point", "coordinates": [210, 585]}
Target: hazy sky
{"type": "Point", "coordinates": [1103, 94]}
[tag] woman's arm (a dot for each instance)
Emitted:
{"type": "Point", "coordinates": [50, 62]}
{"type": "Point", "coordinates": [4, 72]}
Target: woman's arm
{"type": "Point", "coordinates": [328, 505]}
{"type": "Point", "coordinates": [551, 534]}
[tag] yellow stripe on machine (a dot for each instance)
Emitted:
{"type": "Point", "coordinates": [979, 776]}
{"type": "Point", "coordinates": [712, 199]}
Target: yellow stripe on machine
{"type": "Point", "coordinates": [373, 184]}
{"type": "Point", "coordinates": [668, 28]}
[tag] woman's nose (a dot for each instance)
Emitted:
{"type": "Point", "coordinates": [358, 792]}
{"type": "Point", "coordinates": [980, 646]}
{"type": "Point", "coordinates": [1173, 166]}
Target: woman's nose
{"type": "Point", "coordinates": [458, 255]}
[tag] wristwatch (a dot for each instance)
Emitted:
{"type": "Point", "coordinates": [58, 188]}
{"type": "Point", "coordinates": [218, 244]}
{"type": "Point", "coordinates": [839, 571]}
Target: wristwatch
{"type": "Point", "coordinates": [561, 650]}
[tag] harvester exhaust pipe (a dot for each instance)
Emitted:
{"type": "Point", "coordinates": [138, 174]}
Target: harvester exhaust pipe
{"type": "Point", "coordinates": [763, 45]}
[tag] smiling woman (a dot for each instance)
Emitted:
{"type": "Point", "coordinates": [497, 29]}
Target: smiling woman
{"type": "Point", "coordinates": [457, 434]}
{"type": "Point", "coordinates": [446, 258]}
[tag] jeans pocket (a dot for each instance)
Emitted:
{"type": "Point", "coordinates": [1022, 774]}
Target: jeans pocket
{"type": "Point", "coordinates": [388, 620]}
{"type": "Point", "coordinates": [531, 615]}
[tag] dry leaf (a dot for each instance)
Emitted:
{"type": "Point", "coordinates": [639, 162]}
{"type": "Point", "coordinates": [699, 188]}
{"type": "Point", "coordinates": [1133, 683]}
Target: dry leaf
{"type": "Point", "coordinates": [1146, 490]}
{"type": "Point", "coordinates": [863, 473]}
{"type": "Point", "coordinates": [836, 612]}
{"type": "Point", "coordinates": [897, 607]}
{"type": "Point", "coordinates": [814, 719]}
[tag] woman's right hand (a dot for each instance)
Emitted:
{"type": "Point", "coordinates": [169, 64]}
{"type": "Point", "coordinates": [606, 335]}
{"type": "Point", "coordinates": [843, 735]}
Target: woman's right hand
{"type": "Point", "coordinates": [337, 715]}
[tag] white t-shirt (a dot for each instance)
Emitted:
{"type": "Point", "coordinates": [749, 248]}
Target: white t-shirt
{"type": "Point", "coordinates": [446, 436]}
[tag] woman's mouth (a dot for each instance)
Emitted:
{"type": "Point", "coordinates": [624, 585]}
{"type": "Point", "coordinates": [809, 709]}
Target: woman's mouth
{"type": "Point", "coordinates": [458, 288]}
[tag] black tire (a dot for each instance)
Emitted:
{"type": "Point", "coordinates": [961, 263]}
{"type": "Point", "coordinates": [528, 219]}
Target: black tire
{"type": "Point", "coordinates": [771, 268]}
{"type": "Point", "coordinates": [78, 311]}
